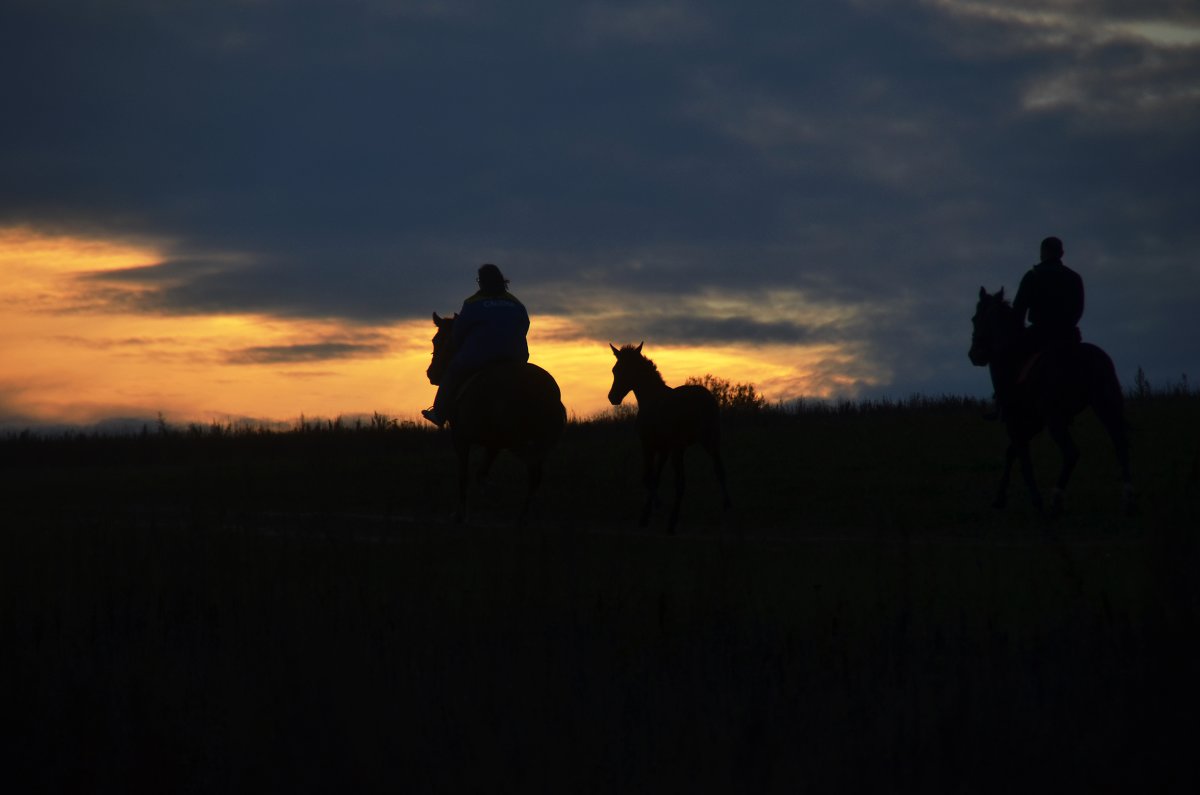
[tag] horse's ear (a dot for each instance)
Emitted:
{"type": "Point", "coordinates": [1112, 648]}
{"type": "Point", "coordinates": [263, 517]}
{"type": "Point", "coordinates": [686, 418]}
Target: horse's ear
{"type": "Point", "coordinates": [1000, 295]}
{"type": "Point", "coordinates": [640, 344]}
{"type": "Point", "coordinates": [437, 320]}
{"type": "Point", "coordinates": [614, 349]}
{"type": "Point", "coordinates": [983, 292]}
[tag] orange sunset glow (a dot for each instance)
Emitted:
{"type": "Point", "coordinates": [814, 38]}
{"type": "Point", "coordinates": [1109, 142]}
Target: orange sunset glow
{"type": "Point", "coordinates": [78, 348]}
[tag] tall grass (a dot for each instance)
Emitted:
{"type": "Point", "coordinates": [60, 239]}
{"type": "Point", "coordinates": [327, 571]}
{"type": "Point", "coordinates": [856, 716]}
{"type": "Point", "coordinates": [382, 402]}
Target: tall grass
{"type": "Point", "coordinates": [254, 609]}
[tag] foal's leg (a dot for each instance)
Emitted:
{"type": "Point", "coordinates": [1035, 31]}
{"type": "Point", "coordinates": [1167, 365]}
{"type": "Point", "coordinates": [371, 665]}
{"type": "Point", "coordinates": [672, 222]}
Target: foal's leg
{"type": "Point", "coordinates": [653, 472]}
{"type": "Point", "coordinates": [713, 448]}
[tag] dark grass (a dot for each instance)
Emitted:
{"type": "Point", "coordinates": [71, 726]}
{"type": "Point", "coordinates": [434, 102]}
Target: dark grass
{"type": "Point", "coordinates": [252, 611]}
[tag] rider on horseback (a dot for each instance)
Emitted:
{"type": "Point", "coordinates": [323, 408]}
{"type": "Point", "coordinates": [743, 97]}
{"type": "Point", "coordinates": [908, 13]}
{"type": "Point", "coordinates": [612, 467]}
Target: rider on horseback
{"type": "Point", "coordinates": [490, 327]}
{"type": "Point", "coordinates": [1051, 294]}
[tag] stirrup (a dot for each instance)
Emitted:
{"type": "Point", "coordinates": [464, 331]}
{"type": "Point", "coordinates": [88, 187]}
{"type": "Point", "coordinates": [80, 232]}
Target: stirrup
{"type": "Point", "coordinates": [433, 416]}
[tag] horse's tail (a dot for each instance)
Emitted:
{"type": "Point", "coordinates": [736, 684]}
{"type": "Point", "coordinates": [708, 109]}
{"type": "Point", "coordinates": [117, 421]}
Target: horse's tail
{"type": "Point", "coordinates": [1101, 374]}
{"type": "Point", "coordinates": [546, 404]}
{"type": "Point", "coordinates": [1104, 390]}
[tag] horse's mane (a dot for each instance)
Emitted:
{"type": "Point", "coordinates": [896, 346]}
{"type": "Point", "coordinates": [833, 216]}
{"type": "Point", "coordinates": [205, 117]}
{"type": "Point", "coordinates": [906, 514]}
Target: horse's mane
{"type": "Point", "coordinates": [1003, 305]}
{"type": "Point", "coordinates": [643, 360]}
{"type": "Point", "coordinates": [1004, 302]}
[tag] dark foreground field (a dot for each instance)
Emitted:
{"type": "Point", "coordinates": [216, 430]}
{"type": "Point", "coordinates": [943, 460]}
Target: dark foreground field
{"type": "Point", "coordinates": [221, 611]}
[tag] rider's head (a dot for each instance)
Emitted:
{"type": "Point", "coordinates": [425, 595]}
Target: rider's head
{"type": "Point", "coordinates": [491, 280]}
{"type": "Point", "coordinates": [1052, 248]}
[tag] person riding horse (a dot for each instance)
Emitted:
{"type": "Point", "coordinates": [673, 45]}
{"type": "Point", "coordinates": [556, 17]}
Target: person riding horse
{"type": "Point", "coordinates": [491, 327]}
{"type": "Point", "coordinates": [1051, 297]}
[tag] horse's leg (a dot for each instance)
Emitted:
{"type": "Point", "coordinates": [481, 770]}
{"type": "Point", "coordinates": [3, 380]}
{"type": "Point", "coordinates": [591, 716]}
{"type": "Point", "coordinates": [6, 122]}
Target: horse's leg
{"type": "Point", "coordinates": [1018, 450]}
{"type": "Point", "coordinates": [489, 457]}
{"type": "Point", "coordinates": [1010, 455]}
{"type": "Point", "coordinates": [534, 469]}
{"type": "Point", "coordinates": [1023, 455]}
{"type": "Point", "coordinates": [1061, 434]}
{"type": "Point", "coordinates": [1113, 420]}
{"type": "Point", "coordinates": [677, 464]}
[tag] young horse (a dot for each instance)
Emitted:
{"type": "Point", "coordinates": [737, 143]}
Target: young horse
{"type": "Point", "coordinates": [668, 421]}
{"type": "Point", "coordinates": [1047, 390]}
{"type": "Point", "coordinates": [510, 405]}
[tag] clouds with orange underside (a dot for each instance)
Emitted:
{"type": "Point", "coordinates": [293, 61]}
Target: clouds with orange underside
{"type": "Point", "coordinates": [79, 347]}
{"type": "Point", "coordinates": [76, 348]}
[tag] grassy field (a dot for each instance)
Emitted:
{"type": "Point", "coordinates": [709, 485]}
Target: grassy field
{"type": "Point", "coordinates": [224, 610]}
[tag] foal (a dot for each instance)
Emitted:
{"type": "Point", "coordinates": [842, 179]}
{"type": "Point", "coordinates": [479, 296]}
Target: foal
{"type": "Point", "coordinates": [669, 420]}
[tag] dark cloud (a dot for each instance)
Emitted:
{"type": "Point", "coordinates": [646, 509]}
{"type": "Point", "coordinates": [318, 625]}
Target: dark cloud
{"type": "Point", "coordinates": [702, 331]}
{"type": "Point", "coordinates": [359, 160]}
{"type": "Point", "coordinates": [308, 352]}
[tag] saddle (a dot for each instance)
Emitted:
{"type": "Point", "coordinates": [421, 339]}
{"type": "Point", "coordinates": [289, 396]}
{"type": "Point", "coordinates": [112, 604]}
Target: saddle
{"type": "Point", "coordinates": [470, 379]}
{"type": "Point", "coordinates": [1036, 340]}
{"type": "Point", "coordinates": [1027, 368]}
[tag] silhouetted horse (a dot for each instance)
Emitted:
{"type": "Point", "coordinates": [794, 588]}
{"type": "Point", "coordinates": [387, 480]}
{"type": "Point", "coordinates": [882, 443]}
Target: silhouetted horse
{"type": "Point", "coordinates": [509, 405]}
{"type": "Point", "coordinates": [668, 422]}
{"type": "Point", "coordinates": [1046, 390]}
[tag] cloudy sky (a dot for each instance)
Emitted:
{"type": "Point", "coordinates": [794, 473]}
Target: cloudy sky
{"type": "Point", "coordinates": [249, 208]}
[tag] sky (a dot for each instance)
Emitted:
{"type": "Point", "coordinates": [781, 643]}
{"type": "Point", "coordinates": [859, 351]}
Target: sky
{"type": "Point", "coordinates": [249, 209]}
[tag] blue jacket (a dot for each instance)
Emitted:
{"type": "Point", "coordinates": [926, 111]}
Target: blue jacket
{"type": "Point", "coordinates": [490, 328]}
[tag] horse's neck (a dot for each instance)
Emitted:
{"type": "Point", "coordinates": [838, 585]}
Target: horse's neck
{"type": "Point", "coordinates": [1005, 369]}
{"type": "Point", "coordinates": [1002, 377]}
{"type": "Point", "coordinates": [1008, 351]}
{"type": "Point", "coordinates": [650, 389]}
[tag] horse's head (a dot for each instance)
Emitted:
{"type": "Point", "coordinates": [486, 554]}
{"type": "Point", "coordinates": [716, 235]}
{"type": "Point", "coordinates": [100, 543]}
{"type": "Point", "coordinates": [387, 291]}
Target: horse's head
{"type": "Point", "coordinates": [443, 348]}
{"type": "Point", "coordinates": [627, 371]}
{"type": "Point", "coordinates": [994, 327]}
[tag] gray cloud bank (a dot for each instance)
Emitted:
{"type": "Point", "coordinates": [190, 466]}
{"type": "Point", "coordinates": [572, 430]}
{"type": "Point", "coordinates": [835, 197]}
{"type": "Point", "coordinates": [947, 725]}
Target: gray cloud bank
{"type": "Point", "coordinates": [305, 352]}
{"type": "Point", "coordinates": [359, 159]}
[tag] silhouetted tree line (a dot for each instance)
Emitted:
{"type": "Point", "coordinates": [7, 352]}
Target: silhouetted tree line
{"type": "Point", "coordinates": [731, 397]}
